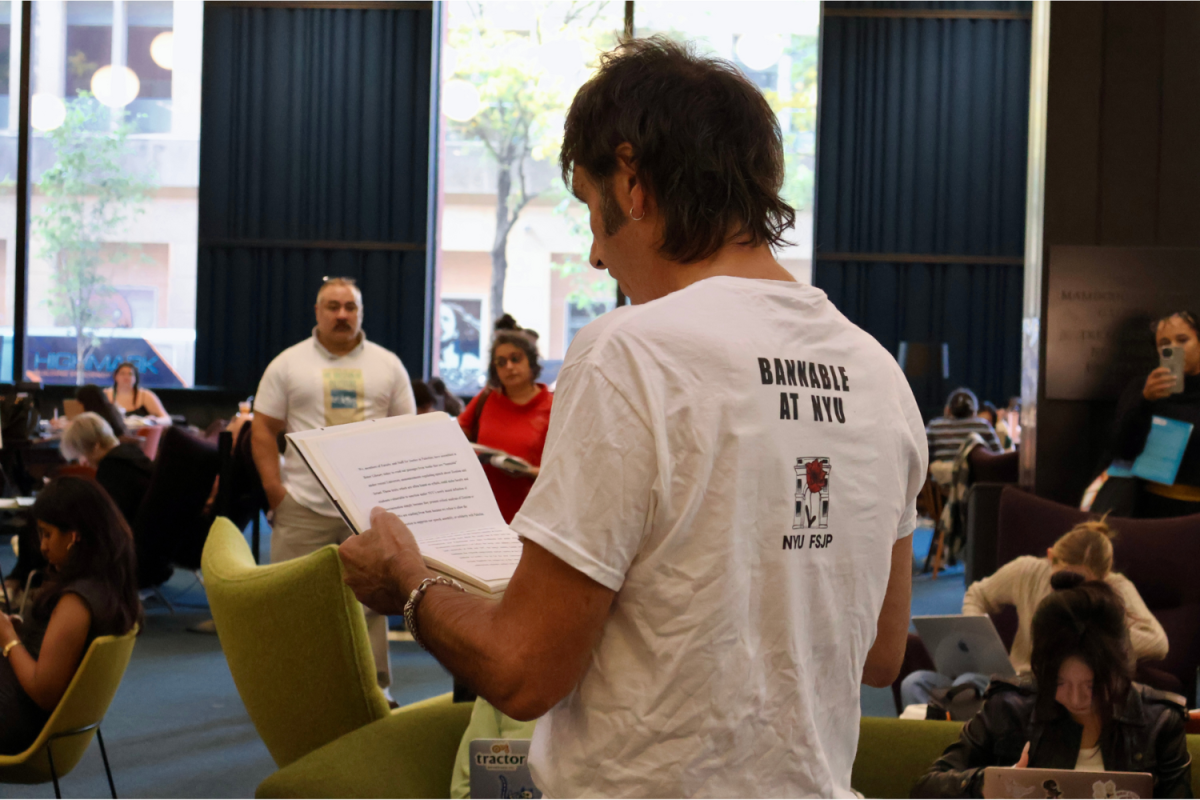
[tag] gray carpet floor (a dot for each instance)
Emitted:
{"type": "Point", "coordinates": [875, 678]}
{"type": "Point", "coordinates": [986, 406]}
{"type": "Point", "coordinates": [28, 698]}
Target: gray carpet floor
{"type": "Point", "coordinates": [177, 727]}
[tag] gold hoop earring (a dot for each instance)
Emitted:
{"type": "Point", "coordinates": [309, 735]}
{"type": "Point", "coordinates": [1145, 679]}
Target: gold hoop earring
{"type": "Point", "coordinates": [636, 219]}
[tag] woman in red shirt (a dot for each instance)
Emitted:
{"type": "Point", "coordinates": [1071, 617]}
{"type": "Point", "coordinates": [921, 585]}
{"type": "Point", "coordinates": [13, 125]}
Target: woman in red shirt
{"type": "Point", "coordinates": [513, 414]}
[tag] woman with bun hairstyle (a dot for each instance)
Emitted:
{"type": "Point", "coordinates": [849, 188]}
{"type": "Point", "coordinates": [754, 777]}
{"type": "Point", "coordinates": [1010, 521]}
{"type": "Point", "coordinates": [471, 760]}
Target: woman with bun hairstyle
{"type": "Point", "coordinates": [1024, 582]}
{"type": "Point", "coordinates": [1079, 709]}
{"type": "Point", "coordinates": [512, 414]}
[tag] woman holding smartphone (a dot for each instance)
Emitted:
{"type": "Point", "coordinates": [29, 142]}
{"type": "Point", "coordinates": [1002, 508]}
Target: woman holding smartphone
{"type": "Point", "coordinates": [1162, 394]}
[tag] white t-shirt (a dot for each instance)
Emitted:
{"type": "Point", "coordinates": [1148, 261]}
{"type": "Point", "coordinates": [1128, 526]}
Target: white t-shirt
{"type": "Point", "coordinates": [308, 387]}
{"type": "Point", "coordinates": [1090, 759]}
{"type": "Point", "coordinates": [677, 473]}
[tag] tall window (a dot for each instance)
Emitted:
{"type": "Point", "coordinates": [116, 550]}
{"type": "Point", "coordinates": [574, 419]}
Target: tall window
{"type": "Point", "coordinates": [512, 238]}
{"type": "Point", "coordinates": [775, 46]}
{"type": "Point", "coordinates": [114, 170]}
{"type": "Point", "coordinates": [10, 39]}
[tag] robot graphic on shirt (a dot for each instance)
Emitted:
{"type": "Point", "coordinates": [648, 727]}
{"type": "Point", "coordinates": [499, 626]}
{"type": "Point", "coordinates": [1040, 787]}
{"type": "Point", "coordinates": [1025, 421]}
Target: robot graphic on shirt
{"type": "Point", "coordinates": [812, 493]}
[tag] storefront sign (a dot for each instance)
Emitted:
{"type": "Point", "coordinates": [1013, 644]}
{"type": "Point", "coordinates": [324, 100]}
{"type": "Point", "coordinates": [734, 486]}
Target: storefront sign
{"type": "Point", "coordinates": [53, 360]}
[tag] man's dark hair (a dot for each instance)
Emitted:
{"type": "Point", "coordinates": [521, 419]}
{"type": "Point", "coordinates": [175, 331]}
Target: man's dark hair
{"type": "Point", "coordinates": [962, 403]}
{"type": "Point", "coordinates": [706, 145]}
{"type": "Point", "coordinates": [1085, 619]}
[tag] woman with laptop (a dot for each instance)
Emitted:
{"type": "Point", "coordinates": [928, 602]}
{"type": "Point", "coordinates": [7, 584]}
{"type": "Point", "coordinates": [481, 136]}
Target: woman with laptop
{"type": "Point", "coordinates": [1024, 582]}
{"type": "Point", "coordinates": [1079, 710]}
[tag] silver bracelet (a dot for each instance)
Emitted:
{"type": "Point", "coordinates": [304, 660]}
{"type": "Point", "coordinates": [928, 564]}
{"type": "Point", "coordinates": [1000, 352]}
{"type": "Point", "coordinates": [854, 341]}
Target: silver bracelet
{"type": "Point", "coordinates": [410, 608]}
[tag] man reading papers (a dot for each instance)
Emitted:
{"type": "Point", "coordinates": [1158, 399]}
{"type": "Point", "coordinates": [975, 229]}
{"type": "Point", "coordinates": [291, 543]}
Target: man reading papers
{"type": "Point", "coordinates": [716, 552]}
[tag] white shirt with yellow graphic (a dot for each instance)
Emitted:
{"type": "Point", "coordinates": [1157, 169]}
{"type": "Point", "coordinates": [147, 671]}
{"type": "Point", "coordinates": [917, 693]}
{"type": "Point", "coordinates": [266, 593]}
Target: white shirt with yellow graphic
{"type": "Point", "coordinates": [308, 387]}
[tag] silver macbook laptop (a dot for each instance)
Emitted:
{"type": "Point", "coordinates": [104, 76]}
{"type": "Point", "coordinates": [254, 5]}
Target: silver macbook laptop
{"type": "Point", "coordinates": [1035, 784]}
{"type": "Point", "coordinates": [500, 768]}
{"type": "Point", "coordinates": [961, 644]}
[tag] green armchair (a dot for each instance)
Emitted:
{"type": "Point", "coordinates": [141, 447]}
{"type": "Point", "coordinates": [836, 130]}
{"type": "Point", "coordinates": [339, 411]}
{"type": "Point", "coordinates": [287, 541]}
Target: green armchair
{"type": "Point", "coordinates": [296, 642]}
{"type": "Point", "coordinates": [411, 754]}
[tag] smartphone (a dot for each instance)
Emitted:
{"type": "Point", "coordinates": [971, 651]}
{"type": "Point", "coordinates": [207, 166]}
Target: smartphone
{"type": "Point", "coordinates": [1171, 357]}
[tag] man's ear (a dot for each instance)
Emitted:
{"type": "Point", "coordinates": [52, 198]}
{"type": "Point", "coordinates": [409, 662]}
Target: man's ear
{"type": "Point", "coordinates": [630, 192]}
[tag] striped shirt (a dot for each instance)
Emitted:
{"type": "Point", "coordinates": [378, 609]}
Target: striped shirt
{"type": "Point", "coordinates": [947, 434]}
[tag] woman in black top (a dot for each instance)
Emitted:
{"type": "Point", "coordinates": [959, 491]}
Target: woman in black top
{"type": "Point", "coordinates": [1079, 710]}
{"type": "Point", "coordinates": [128, 395]}
{"type": "Point", "coordinates": [1153, 396]}
{"type": "Point", "coordinates": [91, 592]}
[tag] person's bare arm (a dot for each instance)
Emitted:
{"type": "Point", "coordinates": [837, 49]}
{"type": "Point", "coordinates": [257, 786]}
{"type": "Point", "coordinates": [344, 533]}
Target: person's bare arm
{"type": "Point", "coordinates": [524, 653]}
{"type": "Point", "coordinates": [155, 407]}
{"type": "Point", "coordinates": [264, 443]}
{"type": "Point", "coordinates": [891, 638]}
{"type": "Point", "coordinates": [46, 678]}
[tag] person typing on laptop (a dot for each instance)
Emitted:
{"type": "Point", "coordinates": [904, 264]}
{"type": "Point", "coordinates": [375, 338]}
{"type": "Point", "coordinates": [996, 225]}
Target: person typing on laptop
{"type": "Point", "coordinates": [1078, 710]}
{"type": "Point", "coordinates": [1024, 582]}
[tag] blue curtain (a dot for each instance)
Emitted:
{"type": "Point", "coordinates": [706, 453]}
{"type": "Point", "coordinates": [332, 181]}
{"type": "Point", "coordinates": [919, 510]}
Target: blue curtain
{"type": "Point", "coordinates": [922, 153]}
{"type": "Point", "coordinates": [314, 161]}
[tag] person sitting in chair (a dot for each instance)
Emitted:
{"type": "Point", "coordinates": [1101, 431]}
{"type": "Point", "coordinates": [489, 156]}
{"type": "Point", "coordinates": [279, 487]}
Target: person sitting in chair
{"type": "Point", "coordinates": [1024, 582]}
{"type": "Point", "coordinates": [127, 394]}
{"type": "Point", "coordinates": [947, 433]}
{"type": "Point", "coordinates": [91, 591]}
{"type": "Point", "coordinates": [1080, 709]}
{"type": "Point", "coordinates": [122, 468]}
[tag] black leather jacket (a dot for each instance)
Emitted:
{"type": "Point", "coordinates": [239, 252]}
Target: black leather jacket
{"type": "Point", "coordinates": [1146, 734]}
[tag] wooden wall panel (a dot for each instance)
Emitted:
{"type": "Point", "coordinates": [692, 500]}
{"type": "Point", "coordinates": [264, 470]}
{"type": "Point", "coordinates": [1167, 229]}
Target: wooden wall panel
{"type": "Point", "coordinates": [1130, 122]}
{"type": "Point", "coordinates": [1179, 154]}
{"type": "Point", "coordinates": [1122, 168]}
{"type": "Point", "coordinates": [1072, 135]}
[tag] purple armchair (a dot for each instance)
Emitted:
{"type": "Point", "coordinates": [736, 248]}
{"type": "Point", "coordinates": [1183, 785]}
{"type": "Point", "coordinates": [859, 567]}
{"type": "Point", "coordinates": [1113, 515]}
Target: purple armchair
{"type": "Point", "coordinates": [989, 467]}
{"type": "Point", "coordinates": [1160, 556]}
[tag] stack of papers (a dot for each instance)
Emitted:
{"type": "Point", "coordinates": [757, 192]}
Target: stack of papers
{"type": "Point", "coordinates": [423, 470]}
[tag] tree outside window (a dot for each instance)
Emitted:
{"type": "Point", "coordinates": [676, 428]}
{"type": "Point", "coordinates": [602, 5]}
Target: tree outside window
{"type": "Point", "coordinates": [91, 197]}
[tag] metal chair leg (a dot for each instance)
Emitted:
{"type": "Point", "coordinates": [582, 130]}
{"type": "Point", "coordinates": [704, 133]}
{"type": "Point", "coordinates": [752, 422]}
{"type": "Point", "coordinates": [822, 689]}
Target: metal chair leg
{"type": "Point", "coordinates": [256, 535]}
{"type": "Point", "coordinates": [158, 593]}
{"type": "Point", "coordinates": [104, 755]}
{"type": "Point", "coordinates": [53, 771]}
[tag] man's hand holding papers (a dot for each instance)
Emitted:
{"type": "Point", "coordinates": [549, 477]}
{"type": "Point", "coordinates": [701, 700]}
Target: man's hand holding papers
{"type": "Point", "coordinates": [524, 652]}
{"type": "Point", "coordinates": [384, 564]}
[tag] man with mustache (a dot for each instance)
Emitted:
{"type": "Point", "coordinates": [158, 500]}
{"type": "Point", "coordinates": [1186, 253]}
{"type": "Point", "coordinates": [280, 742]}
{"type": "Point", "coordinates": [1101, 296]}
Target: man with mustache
{"type": "Point", "coordinates": [334, 377]}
